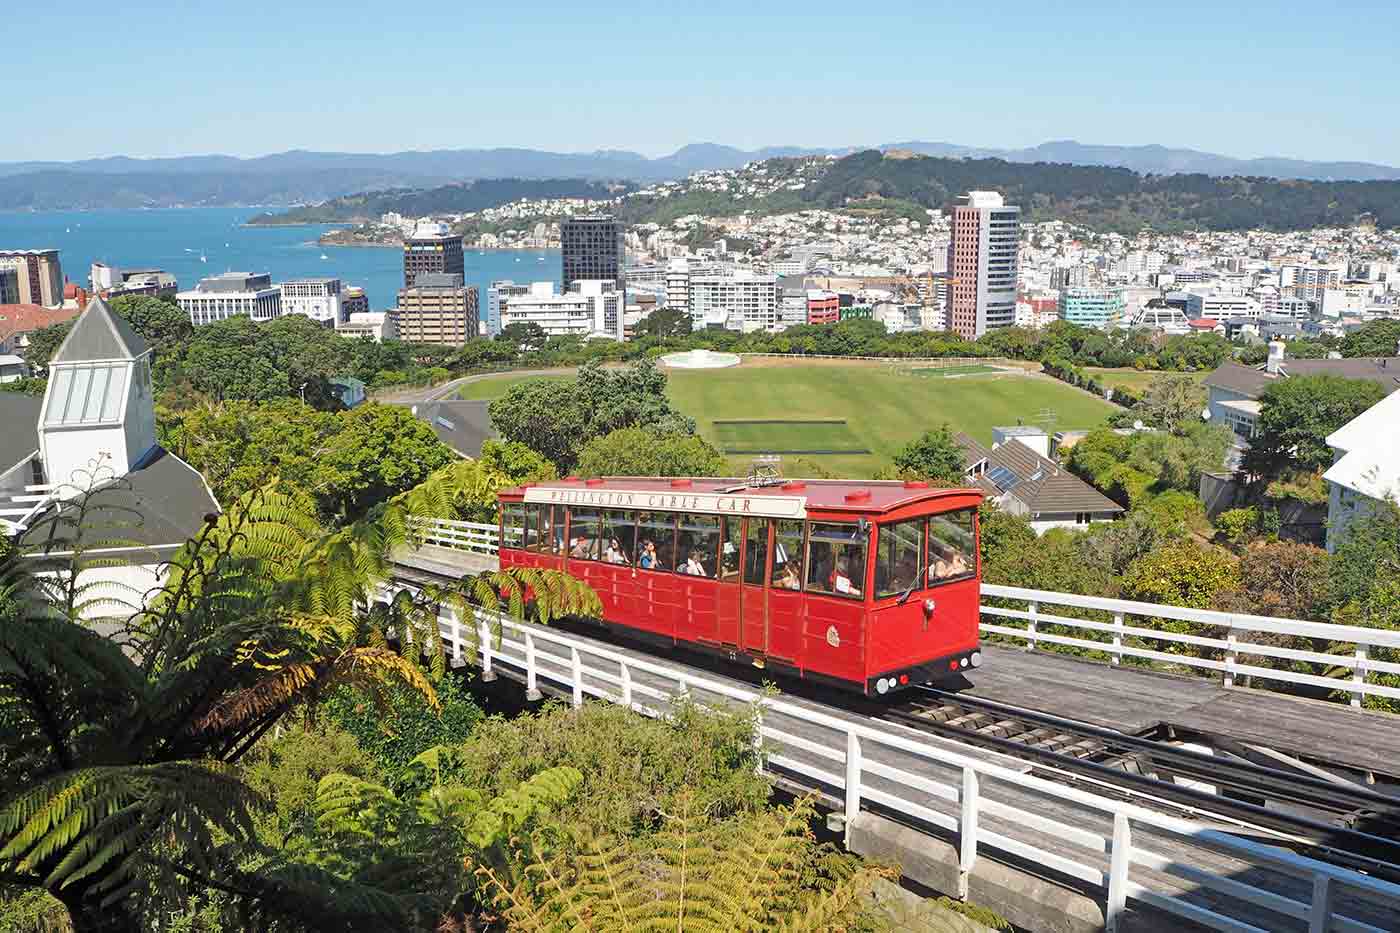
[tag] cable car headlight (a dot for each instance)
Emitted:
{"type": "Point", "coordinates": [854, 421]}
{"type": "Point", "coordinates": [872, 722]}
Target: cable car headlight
{"type": "Point", "coordinates": [976, 659]}
{"type": "Point", "coordinates": [882, 686]}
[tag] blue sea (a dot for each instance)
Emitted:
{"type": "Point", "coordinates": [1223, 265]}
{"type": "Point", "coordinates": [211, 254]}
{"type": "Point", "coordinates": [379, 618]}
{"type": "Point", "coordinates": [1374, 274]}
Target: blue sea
{"type": "Point", "coordinates": [175, 239]}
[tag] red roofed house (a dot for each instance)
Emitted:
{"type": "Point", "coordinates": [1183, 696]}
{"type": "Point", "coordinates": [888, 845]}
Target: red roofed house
{"type": "Point", "coordinates": [1205, 325]}
{"type": "Point", "coordinates": [17, 322]}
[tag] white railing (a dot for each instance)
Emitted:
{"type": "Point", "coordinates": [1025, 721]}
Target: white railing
{"type": "Point", "coordinates": [983, 803]}
{"type": "Point", "coordinates": [1224, 642]}
{"type": "Point", "coordinates": [478, 537]}
{"type": "Point", "coordinates": [1230, 636]}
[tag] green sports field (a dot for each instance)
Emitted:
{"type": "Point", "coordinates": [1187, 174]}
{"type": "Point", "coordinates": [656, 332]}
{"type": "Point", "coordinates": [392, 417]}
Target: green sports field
{"type": "Point", "coordinates": [883, 410]}
{"type": "Point", "coordinates": [1134, 380]}
{"type": "Point", "coordinates": [944, 372]}
{"type": "Point", "coordinates": [761, 436]}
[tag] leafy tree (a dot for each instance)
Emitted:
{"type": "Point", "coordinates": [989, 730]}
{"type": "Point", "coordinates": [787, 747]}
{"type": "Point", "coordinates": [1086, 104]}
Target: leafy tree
{"type": "Point", "coordinates": [379, 451]}
{"type": "Point", "coordinates": [1364, 554]}
{"type": "Point", "coordinates": [522, 337]}
{"type": "Point", "coordinates": [1184, 574]}
{"type": "Point", "coordinates": [1295, 417]}
{"type": "Point", "coordinates": [391, 735]}
{"type": "Point", "coordinates": [1377, 338]}
{"type": "Point", "coordinates": [1129, 467]}
{"type": "Point", "coordinates": [516, 462]}
{"type": "Point", "coordinates": [1172, 402]}
{"type": "Point", "coordinates": [43, 344]}
{"type": "Point", "coordinates": [1284, 578]}
{"type": "Point", "coordinates": [1002, 535]}
{"type": "Point", "coordinates": [644, 452]}
{"type": "Point", "coordinates": [1237, 526]}
{"type": "Point", "coordinates": [557, 418]}
{"type": "Point", "coordinates": [1049, 562]}
{"type": "Point", "coordinates": [934, 456]}
{"type": "Point", "coordinates": [664, 322]}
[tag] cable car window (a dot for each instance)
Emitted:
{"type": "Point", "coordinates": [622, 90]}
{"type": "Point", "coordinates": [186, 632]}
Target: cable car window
{"type": "Point", "coordinates": [756, 553]}
{"type": "Point", "coordinates": [835, 560]}
{"type": "Point", "coordinates": [656, 541]}
{"type": "Point", "coordinates": [898, 557]}
{"type": "Point", "coordinates": [730, 548]}
{"type": "Point", "coordinates": [787, 555]}
{"type": "Point", "coordinates": [952, 547]}
{"type": "Point", "coordinates": [619, 537]}
{"type": "Point", "coordinates": [585, 534]}
{"type": "Point", "coordinates": [697, 545]}
{"type": "Point", "coordinates": [532, 526]}
{"type": "Point", "coordinates": [513, 525]}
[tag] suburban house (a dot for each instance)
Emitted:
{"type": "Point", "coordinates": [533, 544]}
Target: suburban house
{"type": "Point", "coordinates": [17, 322]}
{"type": "Point", "coordinates": [1234, 390]}
{"type": "Point", "coordinates": [12, 368]}
{"type": "Point", "coordinates": [1018, 475]}
{"type": "Point", "coordinates": [94, 430]}
{"type": "Point", "coordinates": [1365, 467]}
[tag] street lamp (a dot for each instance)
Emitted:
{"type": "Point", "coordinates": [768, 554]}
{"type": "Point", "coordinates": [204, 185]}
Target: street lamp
{"type": "Point", "coordinates": [303, 392]}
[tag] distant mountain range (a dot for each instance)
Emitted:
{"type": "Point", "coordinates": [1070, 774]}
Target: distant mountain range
{"type": "Point", "coordinates": [300, 177]}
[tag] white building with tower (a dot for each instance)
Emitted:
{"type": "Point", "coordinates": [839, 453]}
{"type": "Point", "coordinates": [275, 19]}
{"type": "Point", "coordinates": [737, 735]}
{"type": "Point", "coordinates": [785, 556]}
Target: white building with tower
{"type": "Point", "coordinates": [94, 431]}
{"type": "Point", "coordinates": [231, 294]}
{"type": "Point", "coordinates": [592, 309]}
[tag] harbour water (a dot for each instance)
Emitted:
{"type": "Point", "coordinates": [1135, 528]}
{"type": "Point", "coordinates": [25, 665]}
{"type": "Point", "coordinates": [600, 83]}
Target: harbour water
{"type": "Point", "coordinates": [176, 239]}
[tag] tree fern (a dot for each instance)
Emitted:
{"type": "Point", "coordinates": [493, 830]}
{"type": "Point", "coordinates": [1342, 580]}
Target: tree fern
{"type": "Point", "coordinates": [762, 872]}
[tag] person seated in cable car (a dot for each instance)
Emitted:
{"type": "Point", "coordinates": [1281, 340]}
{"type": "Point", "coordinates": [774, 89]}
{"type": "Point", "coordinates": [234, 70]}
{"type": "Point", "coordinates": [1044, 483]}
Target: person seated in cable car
{"type": "Point", "coordinates": [694, 565]}
{"type": "Point", "coordinates": [905, 574]}
{"type": "Point", "coordinates": [582, 549]}
{"type": "Point", "coordinates": [948, 561]}
{"type": "Point", "coordinates": [841, 579]}
{"type": "Point", "coordinates": [789, 577]}
{"type": "Point", "coordinates": [614, 553]}
{"type": "Point", "coordinates": [648, 560]}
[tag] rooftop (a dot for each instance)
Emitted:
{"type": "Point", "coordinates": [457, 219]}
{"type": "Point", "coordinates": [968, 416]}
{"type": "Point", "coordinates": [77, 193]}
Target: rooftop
{"type": "Point", "coordinates": [21, 318]}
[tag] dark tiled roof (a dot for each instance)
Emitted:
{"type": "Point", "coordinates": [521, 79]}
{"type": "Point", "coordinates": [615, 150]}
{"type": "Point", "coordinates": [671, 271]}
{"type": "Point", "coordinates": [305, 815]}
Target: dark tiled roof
{"type": "Point", "coordinates": [460, 424]}
{"type": "Point", "coordinates": [1243, 379]}
{"type": "Point", "coordinates": [1383, 370]}
{"type": "Point", "coordinates": [159, 505]}
{"type": "Point", "coordinates": [1044, 486]}
{"type": "Point", "coordinates": [100, 335]}
{"type": "Point", "coordinates": [19, 426]}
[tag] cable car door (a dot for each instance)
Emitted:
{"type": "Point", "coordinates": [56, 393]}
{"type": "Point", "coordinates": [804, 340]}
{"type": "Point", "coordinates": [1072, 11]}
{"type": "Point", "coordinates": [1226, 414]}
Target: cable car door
{"type": "Point", "coordinates": [753, 599]}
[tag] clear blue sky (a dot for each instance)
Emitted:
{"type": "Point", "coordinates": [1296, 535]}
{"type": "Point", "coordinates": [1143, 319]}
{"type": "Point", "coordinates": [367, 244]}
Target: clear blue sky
{"type": "Point", "coordinates": [1245, 78]}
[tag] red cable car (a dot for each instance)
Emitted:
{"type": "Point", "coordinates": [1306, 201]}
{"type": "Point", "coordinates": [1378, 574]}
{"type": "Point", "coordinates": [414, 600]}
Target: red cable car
{"type": "Point", "coordinates": [871, 586]}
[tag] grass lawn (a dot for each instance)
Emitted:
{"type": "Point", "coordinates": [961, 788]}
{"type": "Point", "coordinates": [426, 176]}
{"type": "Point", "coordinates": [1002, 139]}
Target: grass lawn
{"type": "Point", "coordinates": [970, 369]}
{"type": "Point", "coordinates": [796, 437]}
{"type": "Point", "coordinates": [1134, 380]}
{"type": "Point", "coordinates": [883, 410]}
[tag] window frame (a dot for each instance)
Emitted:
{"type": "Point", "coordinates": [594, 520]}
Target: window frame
{"type": "Point", "coordinates": [920, 558]}
{"type": "Point", "coordinates": [856, 581]}
{"type": "Point", "coordinates": [973, 558]}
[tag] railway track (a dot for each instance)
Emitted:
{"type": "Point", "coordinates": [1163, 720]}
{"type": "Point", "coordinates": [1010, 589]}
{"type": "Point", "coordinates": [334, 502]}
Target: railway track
{"type": "Point", "coordinates": [1341, 822]}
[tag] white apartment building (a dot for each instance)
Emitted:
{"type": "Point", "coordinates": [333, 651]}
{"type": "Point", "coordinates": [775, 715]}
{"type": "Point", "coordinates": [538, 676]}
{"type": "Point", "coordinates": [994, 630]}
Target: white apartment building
{"type": "Point", "coordinates": [498, 295]}
{"type": "Point", "coordinates": [792, 309]}
{"type": "Point", "coordinates": [379, 326]}
{"type": "Point", "coordinates": [740, 301]}
{"type": "Point", "coordinates": [593, 309]}
{"type": "Point", "coordinates": [1221, 307]}
{"type": "Point", "coordinates": [231, 294]}
{"type": "Point", "coordinates": [318, 299]}
{"type": "Point", "coordinates": [1309, 281]}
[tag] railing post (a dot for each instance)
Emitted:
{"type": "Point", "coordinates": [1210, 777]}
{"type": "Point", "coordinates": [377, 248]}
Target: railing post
{"type": "Point", "coordinates": [578, 675]}
{"type": "Point", "coordinates": [1120, 859]}
{"type": "Point", "coordinates": [853, 768]}
{"type": "Point", "coordinates": [1231, 641]}
{"type": "Point", "coordinates": [758, 741]}
{"type": "Point", "coordinates": [1118, 638]}
{"type": "Point", "coordinates": [532, 689]}
{"type": "Point", "coordinates": [967, 830]}
{"type": "Point", "coordinates": [483, 634]}
{"type": "Point", "coordinates": [456, 629]}
{"type": "Point", "coordinates": [1323, 894]}
{"type": "Point", "coordinates": [626, 685]}
{"type": "Point", "coordinates": [1034, 614]}
{"type": "Point", "coordinates": [1358, 674]}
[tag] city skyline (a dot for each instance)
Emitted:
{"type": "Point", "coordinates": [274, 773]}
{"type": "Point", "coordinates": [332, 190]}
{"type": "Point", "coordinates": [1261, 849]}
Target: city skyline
{"type": "Point", "coordinates": [897, 72]}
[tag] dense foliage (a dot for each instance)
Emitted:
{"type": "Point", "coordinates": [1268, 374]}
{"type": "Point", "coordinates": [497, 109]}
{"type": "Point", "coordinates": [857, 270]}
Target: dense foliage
{"type": "Point", "coordinates": [933, 456]}
{"type": "Point", "coordinates": [649, 452]}
{"type": "Point", "coordinates": [1295, 417]}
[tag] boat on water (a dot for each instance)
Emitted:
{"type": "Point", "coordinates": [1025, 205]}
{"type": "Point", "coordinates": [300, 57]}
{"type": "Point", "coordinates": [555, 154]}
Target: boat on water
{"type": "Point", "coordinates": [324, 256]}
{"type": "Point", "coordinates": [203, 258]}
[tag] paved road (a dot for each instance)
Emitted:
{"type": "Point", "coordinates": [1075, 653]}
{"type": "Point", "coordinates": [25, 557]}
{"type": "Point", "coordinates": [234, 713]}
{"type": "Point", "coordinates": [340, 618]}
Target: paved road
{"type": "Point", "coordinates": [449, 389]}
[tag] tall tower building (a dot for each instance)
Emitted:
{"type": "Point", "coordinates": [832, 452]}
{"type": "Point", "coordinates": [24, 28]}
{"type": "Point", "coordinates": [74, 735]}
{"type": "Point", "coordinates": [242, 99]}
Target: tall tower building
{"type": "Point", "coordinates": [982, 264]}
{"type": "Point", "coordinates": [592, 249]}
{"type": "Point", "coordinates": [432, 248]}
{"type": "Point", "coordinates": [439, 309]}
{"type": "Point", "coordinates": [38, 275]}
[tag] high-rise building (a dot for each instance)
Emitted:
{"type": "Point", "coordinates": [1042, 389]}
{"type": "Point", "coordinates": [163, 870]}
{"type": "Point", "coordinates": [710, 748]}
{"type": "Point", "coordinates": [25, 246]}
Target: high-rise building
{"type": "Point", "coordinates": [38, 275]}
{"type": "Point", "coordinates": [742, 300]}
{"type": "Point", "coordinates": [439, 309]}
{"type": "Point", "coordinates": [982, 257]}
{"type": "Point", "coordinates": [231, 294]}
{"type": "Point", "coordinates": [1092, 307]}
{"type": "Point", "coordinates": [823, 307]}
{"type": "Point", "coordinates": [353, 300]}
{"type": "Point", "coordinates": [316, 298]}
{"type": "Point", "coordinates": [593, 308]}
{"type": "Point", "coordinates": [498, 296]}
{"type": "Point", "coordinates": [592, 248]}
{"type": "Point", "coordinates": [431, 248]}
{"type": "Point", "coordinates": [9, 286]}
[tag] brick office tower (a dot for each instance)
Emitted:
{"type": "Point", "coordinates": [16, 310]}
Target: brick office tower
{"type": "Point", "coordinates": [982, 264]}
{"type": "Point", "coordinates": [592, 249]}
{"type": "Point", "coordinates": [434, 249]}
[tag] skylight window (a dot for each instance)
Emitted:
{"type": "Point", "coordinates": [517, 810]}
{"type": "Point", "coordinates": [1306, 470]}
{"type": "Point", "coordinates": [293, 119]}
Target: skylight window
{"type": "Point", "coordinates": [86, 394]}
